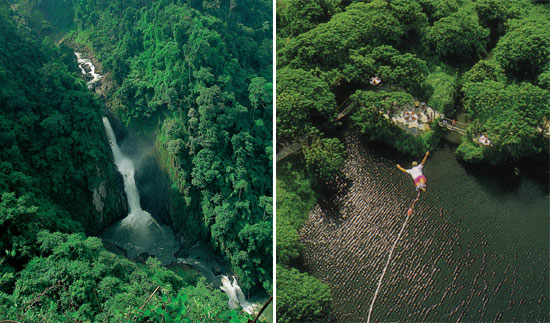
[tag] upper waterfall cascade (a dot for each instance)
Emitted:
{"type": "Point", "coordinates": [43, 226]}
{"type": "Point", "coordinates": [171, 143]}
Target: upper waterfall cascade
{"type": "Point", "coordinates": [88, 63]}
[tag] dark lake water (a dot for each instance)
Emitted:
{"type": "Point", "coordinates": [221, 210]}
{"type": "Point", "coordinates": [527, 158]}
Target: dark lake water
{"type": "Point", "coordinates": [475, 249]}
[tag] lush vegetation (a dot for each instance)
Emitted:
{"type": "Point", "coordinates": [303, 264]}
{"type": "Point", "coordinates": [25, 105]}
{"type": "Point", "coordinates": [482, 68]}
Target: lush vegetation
{"type": "Point", "coordinates": [433, 50]}
{"type": "Point", "coordinates": [75, 279]}
{"type": "Point", "coordinates": [201, 70]}
{"type": "Point", "coordinates": [300, 296]}
{"type": "Point", "coordinates": [506, 96]}
{"type": "Point", "coordinates": [53, 150]}
{"type": "Point", "coordinates": [204, 69]}
{"type": "Point", "coordinates": [486, 62]}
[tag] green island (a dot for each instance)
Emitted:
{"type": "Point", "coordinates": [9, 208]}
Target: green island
{"type": "Point", "coordinates": [191, 79]}
{"type": "Point", "coordinates": [409, 76]}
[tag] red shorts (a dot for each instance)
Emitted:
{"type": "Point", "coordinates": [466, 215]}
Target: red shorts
{"type": "Point", "coordinates": [420, 181]}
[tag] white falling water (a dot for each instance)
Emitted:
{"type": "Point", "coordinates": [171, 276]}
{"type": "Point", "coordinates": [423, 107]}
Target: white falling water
{"type": "Point", "coordinates": [126, 168]}
{"type": "Point", "coordinates": [84, 61]}
{"type": "Point", "coordinates": [236, 295]}
{"type": "Point", "coordinates": [138, 232]}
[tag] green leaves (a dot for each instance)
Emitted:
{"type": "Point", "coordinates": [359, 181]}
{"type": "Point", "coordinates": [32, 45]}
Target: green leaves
{"type": "Point", "coordinates": [328, 44]}
{"type": "Point", "coordinates": [295, 199]}
{"type": "Point", "coordinates": [511, 116]}
{"type": "Point", "coordinates": [445, 88]}
{"type": "Point", "coordinates": [89, 283]}
{"type": "Point", "coordinates": [301, 297]}
{"type": "Point", "coordinates": [324, 158]}
{"type": "Point", "coordinates": [457, 38]}
{"type": "Point", "coordinates": [404, 70]}
{"type": "Point", "coordinates": [524, 51]}
{"type": "Point", "coordinates": [297, 16]}
{"type": "Point", "coordinates": [301, 100]}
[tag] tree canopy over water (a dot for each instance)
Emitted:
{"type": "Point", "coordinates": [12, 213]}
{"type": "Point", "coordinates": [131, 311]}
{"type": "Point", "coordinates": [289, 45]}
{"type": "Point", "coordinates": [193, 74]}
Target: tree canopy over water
{"type": "Point", "coordinates": [483, 62]}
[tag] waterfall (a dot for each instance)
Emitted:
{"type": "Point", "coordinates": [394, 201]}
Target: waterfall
{"type": "Point", "coordinates": [236, 295]}
{"type": "Point", "coordinates": [138, 232]}
{"type": "Point", "coordinates": [83, 61]}
{"type": "Point", "coordinates": [125, 167]}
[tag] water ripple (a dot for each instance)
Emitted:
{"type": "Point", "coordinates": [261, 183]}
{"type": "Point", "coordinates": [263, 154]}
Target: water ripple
{"type": "Point", "coordinates": [449, 265]}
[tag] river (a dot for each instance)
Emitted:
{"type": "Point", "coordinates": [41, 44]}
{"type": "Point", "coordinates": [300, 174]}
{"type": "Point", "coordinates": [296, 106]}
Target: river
{"type": "Point", "coordinates": [476, 247]}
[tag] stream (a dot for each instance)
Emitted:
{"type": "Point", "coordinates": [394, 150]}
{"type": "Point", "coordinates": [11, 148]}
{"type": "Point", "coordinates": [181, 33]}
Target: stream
{"type": "Point", "coordinates": [140, 235]}
{"type": "Point", "coordinates": [476, 247]}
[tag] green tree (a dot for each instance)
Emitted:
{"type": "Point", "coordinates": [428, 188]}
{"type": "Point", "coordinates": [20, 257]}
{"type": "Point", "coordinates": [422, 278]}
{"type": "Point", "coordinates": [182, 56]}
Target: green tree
{"type": "Point", "coordinates": [403, 70]}
{"type": "Point", "coordinates": [295, 17]}
{"type": "Point", "coordinates": [524, 50]}
{"type": "Point", "coordinates": [457, 38]}
{"type": "Point", "coordinates": [444, 93]}
{"type": "Point", "coordinates": [288, 245]}
{"type": "Point", "coordinates": [437, 9]}
{"type": "Point", "coordinates": [493, 14]}
{"type": "Point", "coordinates": [324, 158]}
{"type": "Point", "coordinates": [484, 70]}
{"type": "Point", "coordinates": [76, 278]}
{"type": "Point", "coordinates": [301, 297]}
{"type": "Point", "coordinates": [327, 45]}
{"type": "Point", "coordinates": [511, 116]}
{"type": "Point", "coordinates": [301, 100]}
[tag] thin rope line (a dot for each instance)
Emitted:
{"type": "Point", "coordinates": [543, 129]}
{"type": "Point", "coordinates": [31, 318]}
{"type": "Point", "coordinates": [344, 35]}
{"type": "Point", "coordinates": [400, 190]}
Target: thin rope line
{"type": "Point", "coordinates": [409, 213]}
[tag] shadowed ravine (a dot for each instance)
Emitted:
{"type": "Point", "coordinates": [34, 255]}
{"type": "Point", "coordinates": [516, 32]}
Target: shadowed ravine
{"type": "Point", "coordinates": [476, 247]}
{"type": "Point", "coordinates": [138, 232]}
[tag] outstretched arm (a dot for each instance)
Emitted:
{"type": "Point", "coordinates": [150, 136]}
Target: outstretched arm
{"type": "Point", "coordinates": [425, 157]}
{"type": "Point", "coordinates": [401, 168]}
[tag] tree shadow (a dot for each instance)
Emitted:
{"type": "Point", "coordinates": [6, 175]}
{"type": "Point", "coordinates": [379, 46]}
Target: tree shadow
{"type": "Point", "coordinates": [332, 194]}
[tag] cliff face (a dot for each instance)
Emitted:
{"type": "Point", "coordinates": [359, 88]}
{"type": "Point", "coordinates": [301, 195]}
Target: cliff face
{"type": "Point", "coordinates": [108, 199]}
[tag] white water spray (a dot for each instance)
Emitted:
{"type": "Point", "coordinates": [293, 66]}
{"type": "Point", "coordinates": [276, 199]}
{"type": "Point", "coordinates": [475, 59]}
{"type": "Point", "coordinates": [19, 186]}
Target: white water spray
{"type": "Point", "coordinates": [126, 168]}
{"type": "Point", "coordinates": [84, 61]}
{"type": "Point", "coordinates": [138, 232]}
{"type": "Point", "coordinates": [236, 295]}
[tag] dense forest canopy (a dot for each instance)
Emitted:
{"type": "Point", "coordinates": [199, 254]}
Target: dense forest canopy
{"type": "Point", "coordinates": [483, 62]}
{"type": "Point", "coordinates": [196, 72]}
{"type": "Point", "coordinates": [204, 68]}
{"type": "Point", "coordinates": [429, 49]}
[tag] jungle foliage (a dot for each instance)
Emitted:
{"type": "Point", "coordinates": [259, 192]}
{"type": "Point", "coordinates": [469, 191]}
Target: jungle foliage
{"type": "Point", "coordinates": [203, 69]}
{"type": "Point", "coordinates": [75, 278]}
{"type": "Point", "coordinates": [429, 49]}
{"type": "Point", "coordinates": [54, 155]}
{"type": "Point", "coordinates": [53, 149]}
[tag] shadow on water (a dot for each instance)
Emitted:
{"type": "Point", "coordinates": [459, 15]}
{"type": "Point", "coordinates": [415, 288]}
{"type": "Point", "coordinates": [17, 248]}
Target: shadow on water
{"type": "Point", "coordinates": [331, 193]}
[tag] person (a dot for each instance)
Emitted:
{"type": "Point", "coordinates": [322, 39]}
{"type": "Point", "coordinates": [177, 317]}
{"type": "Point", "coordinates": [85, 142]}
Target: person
{"type": "Point", "coordinates": [420, 181]}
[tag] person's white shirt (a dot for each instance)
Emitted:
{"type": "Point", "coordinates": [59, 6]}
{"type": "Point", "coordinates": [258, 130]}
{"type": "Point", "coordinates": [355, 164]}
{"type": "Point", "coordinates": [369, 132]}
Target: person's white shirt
{"type": "Point", "coordinates": [415, 171]}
